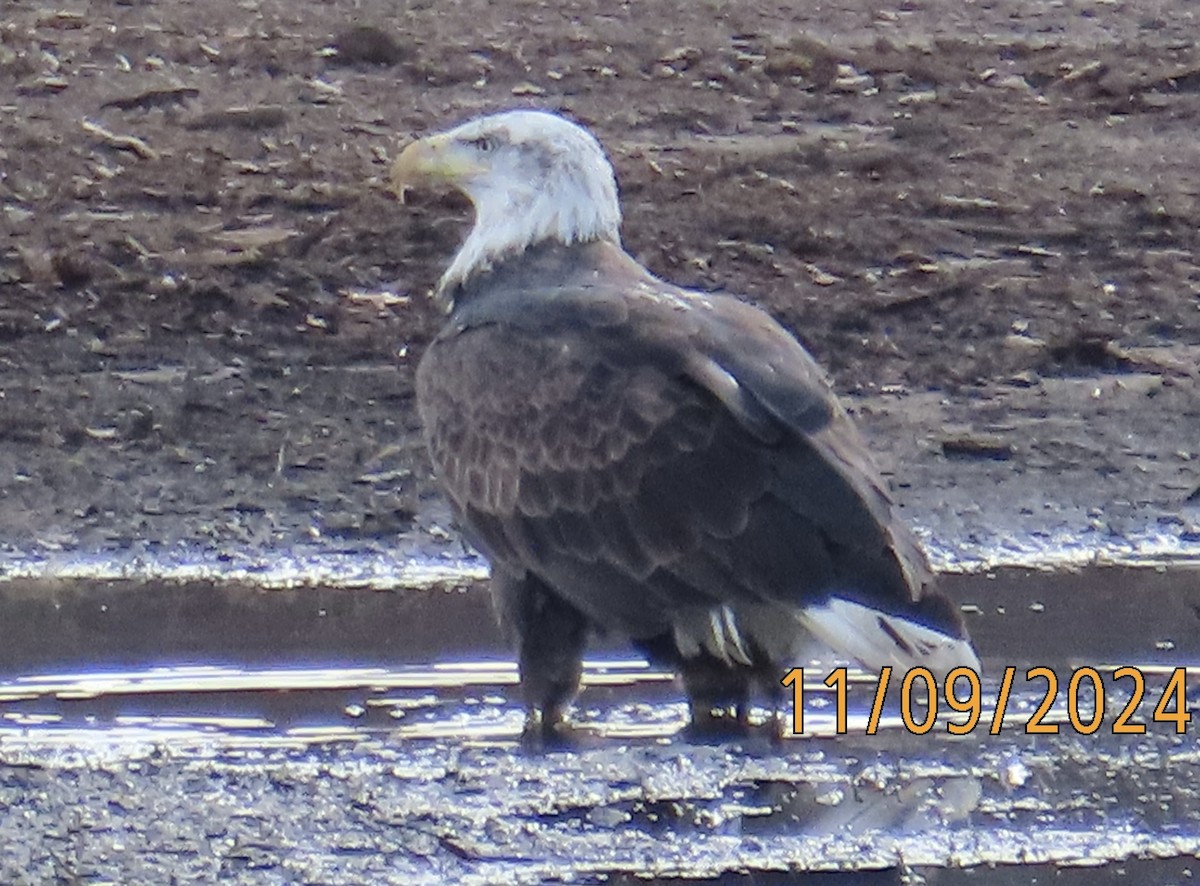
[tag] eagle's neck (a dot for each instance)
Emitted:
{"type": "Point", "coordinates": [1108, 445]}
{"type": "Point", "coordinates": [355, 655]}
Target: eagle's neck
{"type": "Point", "coordinates": [544, 275]}
{"type": "Point", "coordinates": [514, 217]}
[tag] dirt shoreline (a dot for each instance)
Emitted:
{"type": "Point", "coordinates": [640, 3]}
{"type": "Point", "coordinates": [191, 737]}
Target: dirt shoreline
{"type": "Point", "coordinates": [983, 219]}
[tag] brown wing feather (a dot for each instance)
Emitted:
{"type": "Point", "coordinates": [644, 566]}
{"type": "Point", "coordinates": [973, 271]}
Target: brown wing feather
{"type": "Point", "coordinates": [642, 449]}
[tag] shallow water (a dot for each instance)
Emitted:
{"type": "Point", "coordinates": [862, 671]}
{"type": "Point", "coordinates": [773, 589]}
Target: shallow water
{"type": "Point", "coordinates": [414, 774]}
{"type": "Point", "coordinates": [212, 732]}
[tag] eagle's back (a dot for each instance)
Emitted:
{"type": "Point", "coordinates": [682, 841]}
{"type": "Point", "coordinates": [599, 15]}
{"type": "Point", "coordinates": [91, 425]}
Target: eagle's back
{"type": "Point", "coordinates": [655, 456]}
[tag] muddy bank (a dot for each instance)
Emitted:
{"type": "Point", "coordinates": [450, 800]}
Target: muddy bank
{"type": "Point", "coordinates": [983, 220]}
{"type": "Point", "coordinates": [1054, 472]}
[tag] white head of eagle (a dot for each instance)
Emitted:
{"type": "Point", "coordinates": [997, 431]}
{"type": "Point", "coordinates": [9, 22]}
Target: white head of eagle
{"type": "Point", "coordinates": [531, 175]}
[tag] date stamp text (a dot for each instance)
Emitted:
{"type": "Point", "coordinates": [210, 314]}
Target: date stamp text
{"type": "Point", "coordinates": [921, 698]}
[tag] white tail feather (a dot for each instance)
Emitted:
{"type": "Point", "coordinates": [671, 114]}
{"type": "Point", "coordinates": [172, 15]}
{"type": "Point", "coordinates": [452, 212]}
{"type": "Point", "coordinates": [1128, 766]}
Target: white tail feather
{"type": "Point", "coordinates": [877, 638]}
{"type": "Point", "coordinates": [715, 631]}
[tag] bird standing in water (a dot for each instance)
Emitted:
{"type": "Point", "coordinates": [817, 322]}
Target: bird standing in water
{"type": "Point", "coordinates": [638, 458]}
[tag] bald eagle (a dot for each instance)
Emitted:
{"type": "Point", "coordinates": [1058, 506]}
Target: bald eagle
{"type": "Point", "coordinates": [640, 459]}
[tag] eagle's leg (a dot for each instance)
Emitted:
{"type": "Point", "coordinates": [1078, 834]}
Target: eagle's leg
{"type": "Point", "coordinates": [549, 635]}
{"type": "Point", "coordinates": [718, 695]}
{"type": "Point", "coordinates": [773, 689]}
{"type": "Point", "coordinates": [718, 692]}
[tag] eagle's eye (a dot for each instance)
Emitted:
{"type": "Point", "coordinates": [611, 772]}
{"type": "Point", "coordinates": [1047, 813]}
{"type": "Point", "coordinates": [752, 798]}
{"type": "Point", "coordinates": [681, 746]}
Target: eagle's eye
{"type": "Point", "coordinates": [483, 144]}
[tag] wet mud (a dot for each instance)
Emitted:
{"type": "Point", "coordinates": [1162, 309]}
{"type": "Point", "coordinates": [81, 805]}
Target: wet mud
{"type": "Point", "coordinates": [358, 809]}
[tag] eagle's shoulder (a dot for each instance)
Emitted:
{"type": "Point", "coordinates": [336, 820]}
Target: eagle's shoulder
{"type": "Point", "coordinates": [598, 298]}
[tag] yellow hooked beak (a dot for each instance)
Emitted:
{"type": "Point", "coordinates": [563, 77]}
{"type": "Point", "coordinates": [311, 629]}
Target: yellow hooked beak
{"type": "Point", "coordinates": [431, 161]}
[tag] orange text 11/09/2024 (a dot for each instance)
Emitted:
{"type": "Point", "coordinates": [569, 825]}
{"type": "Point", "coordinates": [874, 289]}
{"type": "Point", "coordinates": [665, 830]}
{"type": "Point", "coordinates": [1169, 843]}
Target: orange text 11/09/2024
{"type": "Point", "coordinates": [921, 696]}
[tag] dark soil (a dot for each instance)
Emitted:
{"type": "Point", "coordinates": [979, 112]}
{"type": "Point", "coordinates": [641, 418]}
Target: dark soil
{"type": "Point", "coordinates": [210, 309]}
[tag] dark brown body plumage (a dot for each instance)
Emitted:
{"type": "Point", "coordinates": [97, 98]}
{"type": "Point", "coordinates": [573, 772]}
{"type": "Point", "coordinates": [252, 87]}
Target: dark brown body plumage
{"type": "Point", "coordinates": [629, 455]}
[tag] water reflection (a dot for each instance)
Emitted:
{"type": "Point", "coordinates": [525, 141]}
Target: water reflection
{"type": "Point", "coordinates": [443, 700]}
{"type": "Point", "coordinates": [622, 699]}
